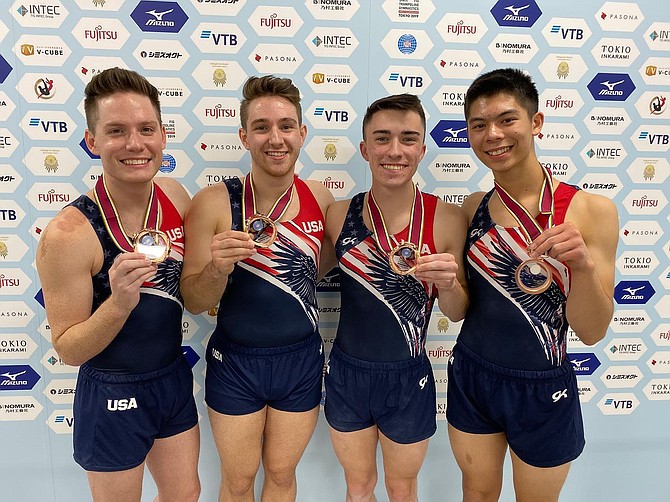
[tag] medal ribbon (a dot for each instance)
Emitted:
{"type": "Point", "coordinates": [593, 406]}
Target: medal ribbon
{"type": "Point", "coordinates": [113, 221]}
{"type": "Point", "coordinates": [249, 207]}
{"type": "Point", "coordinates": [527, 221]}
{"type": "Point", "coordinates": [381, 235]}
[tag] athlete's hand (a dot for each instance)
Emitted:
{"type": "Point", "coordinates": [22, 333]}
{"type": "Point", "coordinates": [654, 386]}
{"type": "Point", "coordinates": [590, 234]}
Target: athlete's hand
{"type": "Point", "coordinates": [438, 268]}
{"type": "Point", "coordinates": [563, 243]}
{"type": "Point", "coordinates": [228, 248]}
{"type": "Point", "coordinates": [126, 275]}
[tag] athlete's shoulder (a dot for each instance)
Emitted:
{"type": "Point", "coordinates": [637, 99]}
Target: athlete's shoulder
{"type": "Point", "coordinates": [68, 234]}
{"type": "Point", "coordinates": [590, 210]}
{"type": "Point", "coordinates": [453, 213]}
{"type": "Point", "coordinates": [320, 192]}
{"type": "Point", "coordinates": [174, 191]}
{"type": "Point", "coordinates": [472, 202]}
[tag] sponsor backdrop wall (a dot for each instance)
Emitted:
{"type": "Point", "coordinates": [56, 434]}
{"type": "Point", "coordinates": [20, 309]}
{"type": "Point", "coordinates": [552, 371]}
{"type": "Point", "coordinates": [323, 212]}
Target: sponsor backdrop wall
{"type": "Point", "coordinates": [603, 71]}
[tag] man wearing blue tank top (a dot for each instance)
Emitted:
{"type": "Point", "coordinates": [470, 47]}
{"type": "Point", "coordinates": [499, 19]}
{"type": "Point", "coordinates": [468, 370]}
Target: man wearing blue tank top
{"type": "Point", "coordinates": [254, 249]}
{"type": "Point", "coordinates": [109, 264]}
{"type": "Point", "coordinates": [539, 256]}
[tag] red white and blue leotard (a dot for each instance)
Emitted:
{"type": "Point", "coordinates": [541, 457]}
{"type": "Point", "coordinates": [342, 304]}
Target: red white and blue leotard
{"type": "Point", "coordinates": [151, 337]}
{"type": "Point", "coordinates": [383, 316]}
{"type": "Point", "coordinates": [270, 298]}
{"type": "Point", "coordinates": [503, 324]}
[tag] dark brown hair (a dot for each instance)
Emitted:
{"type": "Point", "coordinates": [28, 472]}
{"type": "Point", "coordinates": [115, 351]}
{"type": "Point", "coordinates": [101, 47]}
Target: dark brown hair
{"type": "Point", "coordinates": [512, 81]}
{"type": "Point", "coordinates": [111, 81]}
{"type": "Point", "coordinates": [403, 102]}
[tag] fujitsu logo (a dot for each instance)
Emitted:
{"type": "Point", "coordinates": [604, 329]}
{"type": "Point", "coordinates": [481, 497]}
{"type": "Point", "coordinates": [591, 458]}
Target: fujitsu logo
{"type": "Point", "coordinates": [98, 34]}
{"type": "Point", "coordinates": [8, 281]}
{"type": "Point", "coordinates": [51, 196]}
{"type": "Point", "coordinates": [460, 27]}
{"type": "Point", "coordinates": [275, 22]}
{"type": "Point", "coordinates": [559, 102]}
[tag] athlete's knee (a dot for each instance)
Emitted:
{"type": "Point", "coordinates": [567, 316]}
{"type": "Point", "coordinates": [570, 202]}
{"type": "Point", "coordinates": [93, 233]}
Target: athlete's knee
{"type": "Point", "coordinates": [361, 488]}
{"type": "Point", "coordinates": [281, 476]}
{"type": "Point", "coordinates": [237, 485]}
{"type": "Point", "coordinates": [480, 495]}
{"type": "Point", "coordinates": [401, 490]}
{"type": "Point", "coordinates": [185, 493]}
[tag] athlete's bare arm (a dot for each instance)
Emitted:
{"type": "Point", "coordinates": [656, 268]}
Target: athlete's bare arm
{"type": "Point", "coordinates": [212, 248]}
{"type": "Point", "coordinates": [68, 255]}
{"type": "Point", "coordinates": [325, 198]}
{"type": "Point", "coordinates": [587, 243]}
{"type": "Point", "coordinates": [445, 268]}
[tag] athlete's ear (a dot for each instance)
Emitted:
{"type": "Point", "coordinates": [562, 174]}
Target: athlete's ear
{"type": "Point", "coordinates": [364, 150]}
{"type": "Point", "coordinates": [537, 121]}
{"type": "Point", "coordinates": [303, 133]}
{"type": "Point", "coordinates": [90, 142]}
{"type": "Point", "coordinates": [243, 137]}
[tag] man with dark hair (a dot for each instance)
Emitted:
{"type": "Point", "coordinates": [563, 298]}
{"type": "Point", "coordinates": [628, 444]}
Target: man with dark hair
{"type": "Point", "coordinates": [109, 264]}
{"type": "Point", "coordinates": [254, 249]}
{"type": "Point", "coordinates": [540, 257]}
{"type": "Point", "coordinates": [398, 250]}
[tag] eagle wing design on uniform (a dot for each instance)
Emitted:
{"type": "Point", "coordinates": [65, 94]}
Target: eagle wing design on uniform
{"type": "Point", "coordinates": [166, 281]}
{"type": "Point", "coordinates": [298, 272]}
{"type": "Point", "coordinates": [289, 268]}
{"type": "Point", "coordinates": [405, 296]}
{"type": "Point", "coordinates": [545, 311]}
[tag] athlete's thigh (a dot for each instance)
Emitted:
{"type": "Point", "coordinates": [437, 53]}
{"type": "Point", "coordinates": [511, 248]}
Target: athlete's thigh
{"type": "Point", "coordinates": [357, 453]}
{"type": "Point", "coordinates": [173, 463]}
{"type": "Point", "coordinates": [537, 484]}
{"type": "Point", "coordinates": [118, 485]}
{"type": "Point", "coordinates": [402, 461]}
{"type": "Point", "coordinates": [239, 441]}
{"type": "Point", "coordinates": [286, 436]}
{"type": "Point", "coordinates": [480, 458]}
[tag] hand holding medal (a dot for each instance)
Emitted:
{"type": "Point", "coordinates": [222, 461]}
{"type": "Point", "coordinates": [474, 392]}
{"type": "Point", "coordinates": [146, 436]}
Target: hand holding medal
{"type": "Point", "coordinates": [403, 258]}
{"type": "Point", "coordinates": [262, 228]}
{"type": "Point", "coordinates": [404, 255]}
{"type": "Point", "coordinates": [150, 241]}
{"type": "Point", "coordinates": [533, 276]}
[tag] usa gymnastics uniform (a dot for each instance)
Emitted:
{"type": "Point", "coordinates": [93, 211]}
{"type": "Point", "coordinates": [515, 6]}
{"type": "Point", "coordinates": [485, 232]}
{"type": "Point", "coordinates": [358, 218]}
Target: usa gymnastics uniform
{"type": "Point", "coordinates": [509, 372]}
{"type": "Point", "coordinates": [266, 348]}
{"type": "Point", "coordinates": [140, 387]}
{"type": "Point", "coordinates": [378, 371]}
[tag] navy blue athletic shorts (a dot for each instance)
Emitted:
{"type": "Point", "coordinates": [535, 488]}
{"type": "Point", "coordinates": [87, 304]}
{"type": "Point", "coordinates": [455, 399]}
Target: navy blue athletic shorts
{"type": "Point", "coordinates": [398, 397]}
{"type": "Point", "coordinates": [242, 380]}
{"type": "Point", "coordinates": [117, 417]}
{"type": "Point", "coordinates": [539, 411]}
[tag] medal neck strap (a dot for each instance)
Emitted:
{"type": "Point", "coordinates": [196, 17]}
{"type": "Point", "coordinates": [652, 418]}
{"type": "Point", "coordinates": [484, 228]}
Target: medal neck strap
{"type": "Point", "coordinates": [381, 235]}
{"type": "Point", "coordinates": [249, 200]}
{"type": "Point", "coordinates": [527, 222]}
{"type": "Point", "coordinates": [112, 220]}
